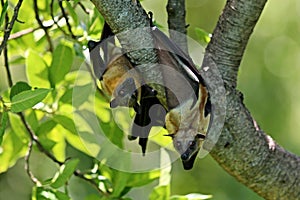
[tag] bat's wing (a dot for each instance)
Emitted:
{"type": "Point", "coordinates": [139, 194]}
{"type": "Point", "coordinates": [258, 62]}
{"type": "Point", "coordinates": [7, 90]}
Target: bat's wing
{"type": "Point", "coordinates": [151, 113]}
{"type": "Point", "coordinates": [181, 63]}
{"type": "Point", "coordinates": [99, 63]}
{"type": "Point", "coordinates": [126, 93]}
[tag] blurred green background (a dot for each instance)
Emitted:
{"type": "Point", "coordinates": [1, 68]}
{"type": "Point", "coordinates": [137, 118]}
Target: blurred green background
{"type": "Point", "coordinates": [268, 78]}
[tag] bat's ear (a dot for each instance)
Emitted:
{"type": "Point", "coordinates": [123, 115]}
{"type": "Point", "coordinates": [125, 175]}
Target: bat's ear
{"type": "Point", "coordinates": [91, 45]}
{"type": "Point", "coordinates": [151, 18]}
{"type": "Point", "coordinates": [200, 136]}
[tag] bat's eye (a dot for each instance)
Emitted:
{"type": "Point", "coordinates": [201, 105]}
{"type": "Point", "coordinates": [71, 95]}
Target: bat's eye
{"type": "Point", "coordinates": [192, 143]}
{"type": "Point", "coordinates": [121, 93]}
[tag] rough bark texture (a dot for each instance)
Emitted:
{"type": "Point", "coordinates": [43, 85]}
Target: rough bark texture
{"type": "Point", "coordinates": [243, 149]}
{"type": "Point", "coordinates": [129, 20]}
{"type": "Point", "coordinates": [176, 21]}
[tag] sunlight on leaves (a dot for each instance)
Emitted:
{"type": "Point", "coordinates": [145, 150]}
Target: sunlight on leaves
{"type": "Point", "coordinates": [61, 63]}
{"type": "Point", "coordinates": [27, 99]}
{"type": "Point", "coordinates": [18, 88]}
{"type": "Point", "coordinates": [3, 123]}
{"type": "Point", "coordinates": [202, 36]}
{"type": "Point", "coordinates": [65, 172]}
{"type": "Point", "coordinates": [36, 70]}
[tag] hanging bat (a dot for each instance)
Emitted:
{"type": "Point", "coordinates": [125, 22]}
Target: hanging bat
{"type": "Point", "coordinates": [187, 121]}
{"type": "Point", "coordinates": [127, 89]}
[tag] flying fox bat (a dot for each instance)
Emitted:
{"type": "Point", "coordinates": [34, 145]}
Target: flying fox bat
{"type": "Point", "coordinates": [187, 120]}
{"type": "Point", "coordinates": [127, 89]}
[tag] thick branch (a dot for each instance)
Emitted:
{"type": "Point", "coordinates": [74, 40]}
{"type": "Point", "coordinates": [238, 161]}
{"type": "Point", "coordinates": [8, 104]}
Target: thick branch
{"type": "Point", "coordinates": [124, 15]}
{"type": "Point", "coordinates": [231, 36]}
{"type": "Point", "coordinates": [243, 149]}
{"type": "Point", "coordinates": [128, 19]}
{"type": "Point", "coordinates": [176, 21]}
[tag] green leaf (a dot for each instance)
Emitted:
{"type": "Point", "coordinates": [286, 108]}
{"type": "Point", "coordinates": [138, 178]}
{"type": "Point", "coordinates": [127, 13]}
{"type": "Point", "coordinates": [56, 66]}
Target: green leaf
{"type": "Point", "coordinates": [202, 35]}
{"type": "Point", "coordinates": [37, 70]}
{"type": "Point", "coordinates": [140, 179]}
{"type": "Point", "coordinates": [119, 182]}
{"type": "Point", "coordinates": [160, 193]}
{"type": "Point", "coordinates": [15, 143]}
{"type": "Point", "coordinates": [40, 193]}
{"type": "Point", "coordinates": [67, 96]}
{"type": "Point", "coordinates": [33, 120]}
{"type": "Point", "coordinates": [61, 63]}
{"type": "Point", "coordinates": [4, 119]}
{"type": "Point", "coordinates": [93, 197]}
{"type": "Point", "coordinates": [43, 131]}
{"type": "Point", "coordinates": [27, 99]}
{"type": "Point", "coordinates": [72, 13]}
{"type": "Point", "coordinates": [18, 88]}
{"type": "Point", "coordinates": [61, 196]}
{"type": "Point", "coordinates": [65, 172]}
{"type": "Point", "coordinates": [66, 122]}
{"type": "Point", "coordinates": [3, 12]}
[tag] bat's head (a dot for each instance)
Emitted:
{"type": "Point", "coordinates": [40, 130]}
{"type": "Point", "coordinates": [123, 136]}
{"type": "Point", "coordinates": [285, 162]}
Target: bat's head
{"type": "Point", "coordinates": [188, 143]}
{"type": "Point", "coordinates": [188, 124]}
{"type": "Point", "coordinates": [125, 94]}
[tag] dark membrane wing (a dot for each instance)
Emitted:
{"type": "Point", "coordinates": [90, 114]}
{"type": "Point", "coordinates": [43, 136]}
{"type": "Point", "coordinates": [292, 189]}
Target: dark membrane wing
{"type": "Point", "coordinates": [151, 113]}
{"type": "Point", "coordinates": [172, 56]}
{"type": "Point", "coordinates": [99, 63]}
{"type": "Point", "coordinates": [164, 43]}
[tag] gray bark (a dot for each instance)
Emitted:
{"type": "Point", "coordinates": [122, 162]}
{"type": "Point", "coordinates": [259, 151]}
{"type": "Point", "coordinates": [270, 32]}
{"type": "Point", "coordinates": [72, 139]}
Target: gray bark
{"type": "Point", "coordinates": [176, 21]}
{"type": "Point", "coordinates": [243, 149]}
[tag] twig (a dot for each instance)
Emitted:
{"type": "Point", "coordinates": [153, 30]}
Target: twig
{"type": "Point", "coordinates": [87, 11]}
{"type": "Point", "coordinates": [27, 165]}
{"type": "Point", "coordinates": [80, 175]}
{"type": "Point", "coordinates": [52, 16]}
{"type": "Point", "coordinates": [6, 63]}
{"type": "Point", "coordinates": [45, 28]}
{"type": "Point", "coordinates": [7, 31]}
{"type": "Point", "coordinates": [22, 33]}
{"type": "Point", "coordinates": [67, 19]}
{"type": "Point", "coordinates": [35, 139]}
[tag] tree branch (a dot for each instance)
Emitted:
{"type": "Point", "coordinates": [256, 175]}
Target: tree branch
{"type": "Point", "coordinates": [176, 21]}
{"type": "Point", "coordinates": [231, 36]}
{"type": "Point", "coordinates": [45, 28]}
{"type": "Point", "coordinates": [64, 14]}
{"type": "Point", "coordinates": [11, 24]}
{"type": "Point", "coordinates": [243, 149]}
{"type": "Point", "coordinates": [129, 19]}
{"type": "Point", "coordinates": [6, 62]}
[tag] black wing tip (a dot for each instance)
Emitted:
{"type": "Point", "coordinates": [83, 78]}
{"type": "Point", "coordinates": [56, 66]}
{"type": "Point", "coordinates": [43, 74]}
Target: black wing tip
{"type": "Point", "coordinates": [143, 144]}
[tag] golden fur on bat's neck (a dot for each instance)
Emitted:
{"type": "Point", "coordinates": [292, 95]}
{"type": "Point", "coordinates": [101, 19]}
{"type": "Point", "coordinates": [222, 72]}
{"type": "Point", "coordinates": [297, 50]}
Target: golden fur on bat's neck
{"type": "Point", "coordinates": [184, 117]}
{"type": "Point", "coordinates": [116, 72]}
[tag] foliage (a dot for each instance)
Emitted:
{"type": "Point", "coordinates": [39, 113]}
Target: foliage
{"type": "Point", "coordinates": [38, 114]}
